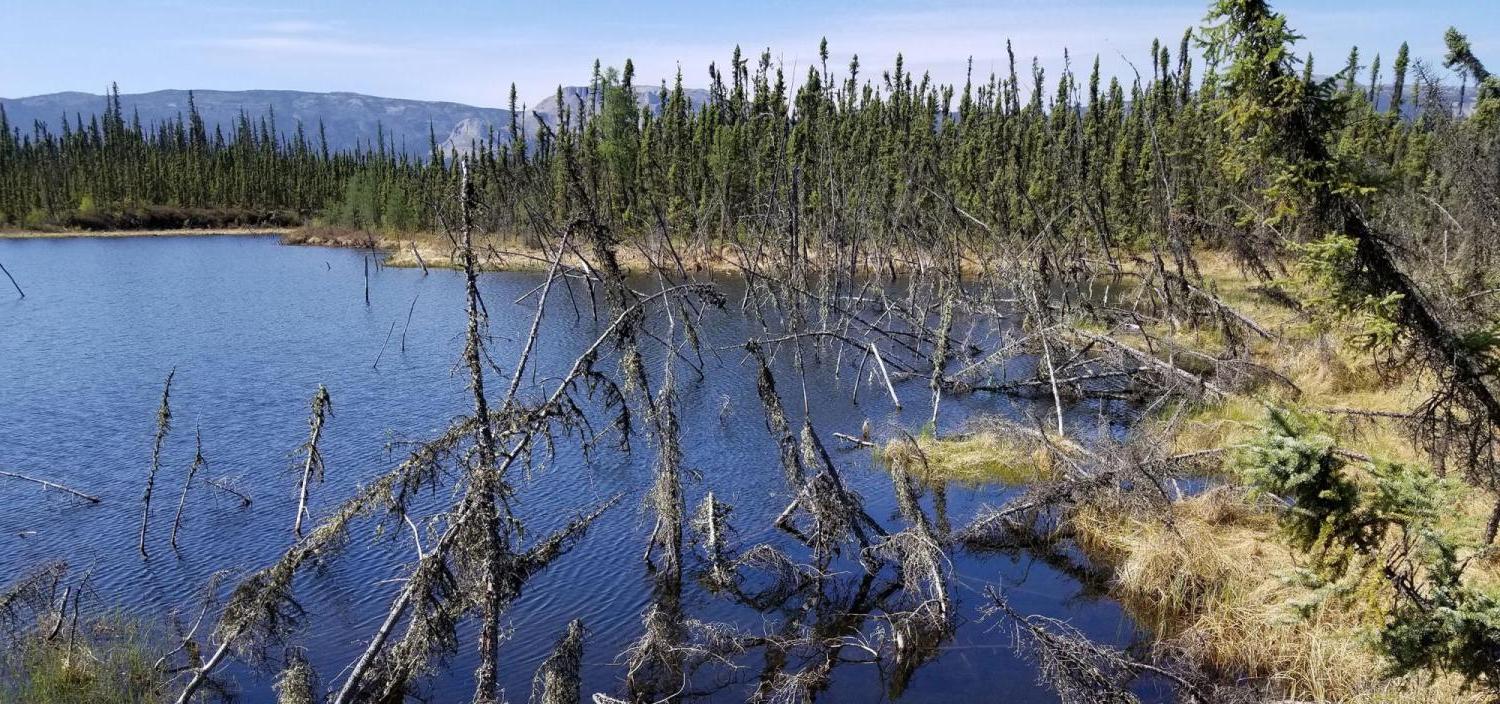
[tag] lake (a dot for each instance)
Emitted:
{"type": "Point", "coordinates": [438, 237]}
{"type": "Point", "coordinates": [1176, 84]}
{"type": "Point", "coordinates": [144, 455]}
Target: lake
{"type": "Point", "coordinates": [253, 327]}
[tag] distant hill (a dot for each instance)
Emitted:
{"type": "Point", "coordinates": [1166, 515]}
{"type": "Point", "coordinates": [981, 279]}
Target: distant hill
{"type": "Point", "coordinates": [1447, 95]}
{"type": "Point", "coordinates": [353, 119]}
{"type": "Point", "coordinates": [648, 96]}
{"type": "Point", "coordinates": [349, 119]}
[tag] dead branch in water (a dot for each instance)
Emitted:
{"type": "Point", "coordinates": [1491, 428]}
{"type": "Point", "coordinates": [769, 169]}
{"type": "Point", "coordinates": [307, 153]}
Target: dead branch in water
{"type": "Point", "coordinates": [418, 254]}
{"type": "Point", "coordinates": [1078, 669]}
{"type": "Point", "coordinates": [224, 486]}
{"type": "Point", "coordinates": [880, 364]}
{"type": "Point", "coordinates": [410, 309]}
{"type": "Point", "coordinates": [52, 485]}
{"type": "Point", "coordinates": [163, 426]}
{"type": "Point", "coordinates": [322, 407]}
{"type": "Point", "coordinates": [198, 464]}
{"type": "Point", "coordinates": [1169, 370]}
{"type": "Point", "coordinates": [12, 280]}
{"type": "Point", "coordinates": [558, 680]}
{"type": "Point", "coordinates": [387, 341]}
{"type": "Point", "coordinates": [855, 441]}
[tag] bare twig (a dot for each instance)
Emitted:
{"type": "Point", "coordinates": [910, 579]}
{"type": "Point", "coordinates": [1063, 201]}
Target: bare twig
{"type": "Point", "coordinates": [52, 485]}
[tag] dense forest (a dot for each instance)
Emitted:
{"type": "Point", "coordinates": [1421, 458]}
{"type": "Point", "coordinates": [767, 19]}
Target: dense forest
{"type": "Point", "coordinates": [852, 153]}
{"type": "Point", "coordinates": [1299, 278]}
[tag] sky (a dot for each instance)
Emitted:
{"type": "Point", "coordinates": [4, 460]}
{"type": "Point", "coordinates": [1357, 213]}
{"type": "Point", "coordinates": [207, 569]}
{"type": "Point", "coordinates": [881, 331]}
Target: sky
{"type": "Point", "coordinates": [470, 51]}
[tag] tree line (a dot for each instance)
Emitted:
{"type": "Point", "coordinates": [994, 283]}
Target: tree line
{"type": "Point", "coordinates": [850, 156]}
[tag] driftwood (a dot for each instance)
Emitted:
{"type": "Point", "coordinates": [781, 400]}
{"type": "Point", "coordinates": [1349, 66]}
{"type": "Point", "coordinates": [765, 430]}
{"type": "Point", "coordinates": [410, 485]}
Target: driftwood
{"type": "Point", "coordinates": [854, 440]}
{"type": "Point", "coordinates": [52, 485]}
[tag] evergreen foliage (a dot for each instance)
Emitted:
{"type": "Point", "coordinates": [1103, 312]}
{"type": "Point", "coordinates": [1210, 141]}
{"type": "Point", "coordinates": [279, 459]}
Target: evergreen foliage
{"type": "Point", "coordinates": [1387, 520]}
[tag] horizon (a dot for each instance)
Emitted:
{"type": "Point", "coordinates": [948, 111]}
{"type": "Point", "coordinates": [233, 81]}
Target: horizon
{"type": "Point", "coordinates": [401, 54]}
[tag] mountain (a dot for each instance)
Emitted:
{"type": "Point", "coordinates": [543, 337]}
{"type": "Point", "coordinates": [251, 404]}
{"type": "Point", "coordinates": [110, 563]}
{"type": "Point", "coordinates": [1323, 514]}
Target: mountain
{"type": "Point", "coordinates": [646, 96]}
{"type": "Point", "coordinates": [1448, 96]}
{"type": "Point", "coordinates": [349, 119]}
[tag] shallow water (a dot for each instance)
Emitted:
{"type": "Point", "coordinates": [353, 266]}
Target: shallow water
{"type": "Point", "coordinates": [252, 328]}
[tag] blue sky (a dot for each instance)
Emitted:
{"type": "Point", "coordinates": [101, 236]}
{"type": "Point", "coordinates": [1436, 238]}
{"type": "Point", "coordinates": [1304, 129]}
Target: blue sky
{"type": "Point", "coordinates": [471, 50]}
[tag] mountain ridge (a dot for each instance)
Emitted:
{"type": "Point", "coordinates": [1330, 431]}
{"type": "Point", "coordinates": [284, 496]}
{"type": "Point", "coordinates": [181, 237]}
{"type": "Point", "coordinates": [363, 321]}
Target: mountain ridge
{"type": "Point", "coordinates": [350, 119]}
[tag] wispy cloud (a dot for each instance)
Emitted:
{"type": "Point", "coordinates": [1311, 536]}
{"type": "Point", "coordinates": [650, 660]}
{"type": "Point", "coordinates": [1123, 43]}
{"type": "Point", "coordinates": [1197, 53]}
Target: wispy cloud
{"type": "Point", "coordinates": [297, 27]}
{"type": "Point", "coordinates": [304, 46]}
{"type": "Point", "coordinates": [306, 39]}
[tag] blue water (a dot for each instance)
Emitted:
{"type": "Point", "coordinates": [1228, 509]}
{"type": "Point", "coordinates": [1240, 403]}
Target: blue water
{"type": "Point", "coordinates": [252, 327]}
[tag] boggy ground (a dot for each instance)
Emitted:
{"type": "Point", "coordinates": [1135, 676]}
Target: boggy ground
{"type": "Point", "coordinates": [1211, 576]}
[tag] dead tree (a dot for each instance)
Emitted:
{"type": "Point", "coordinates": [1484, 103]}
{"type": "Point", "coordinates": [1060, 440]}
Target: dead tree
{"type": "Point", "coordinates": [198, 464]}
{"type": "Point", "coordinates": [484, 476]}
{"type": "Point", "coordinates": [1078, 669]}
{"type": "Point", "coordinates": [711, 525]}
{"type": "Point", "coordinates": [558, 680]}
{"type": "Point", "coordinates": [163, 426]}
{"type": "Point", "coordinates": [12, 280]}
{"type": "Point", "coordinates": [322, 407]}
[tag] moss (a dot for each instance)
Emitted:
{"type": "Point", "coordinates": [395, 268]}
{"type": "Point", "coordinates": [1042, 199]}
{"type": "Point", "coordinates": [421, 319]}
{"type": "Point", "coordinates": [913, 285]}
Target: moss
{"type": "Point", "coordinates": [981, 458]}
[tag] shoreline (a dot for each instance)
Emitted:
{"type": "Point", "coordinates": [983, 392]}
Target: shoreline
{"type": "Point", "coordinates": [24, 234]}
{"type": "Point", "coordinates": [497, 252]}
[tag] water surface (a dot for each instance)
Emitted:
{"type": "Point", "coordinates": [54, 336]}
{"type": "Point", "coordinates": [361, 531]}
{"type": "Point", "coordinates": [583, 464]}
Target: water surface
{"type": "Point", "coordinates": [252, 327]}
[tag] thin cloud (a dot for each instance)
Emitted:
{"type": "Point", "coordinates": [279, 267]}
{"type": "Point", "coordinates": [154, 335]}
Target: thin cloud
{"type": "Point", "coordinates": [306, 39]}
{"type": "Point", "coordinates": [302, 47]}
{"type": "Point", "coordinates": [296, 27]}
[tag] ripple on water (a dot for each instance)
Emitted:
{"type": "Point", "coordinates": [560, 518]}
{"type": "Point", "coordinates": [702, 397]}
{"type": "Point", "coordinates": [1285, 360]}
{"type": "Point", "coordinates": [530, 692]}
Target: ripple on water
{"type": "Point", "coordinates": [253, 327]}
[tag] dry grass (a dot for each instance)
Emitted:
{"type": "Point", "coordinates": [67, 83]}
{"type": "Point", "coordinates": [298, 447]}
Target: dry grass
{"type": "Point", "coordinates": [493, 252]}
{"type": "Point", "coordinates": [1212, 583]}
{"type": "Point", "coordinates": [1214, 590]}
{"type": "Point", "coordinates": [1328, 372]}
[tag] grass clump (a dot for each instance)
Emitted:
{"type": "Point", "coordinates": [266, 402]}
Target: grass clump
{"type": "Point", "coordinates": [983, 457]}
{"type": "Point", "coordinates": [1216, 585]}
{"type": "Point", "coordinates": [104, 661]}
